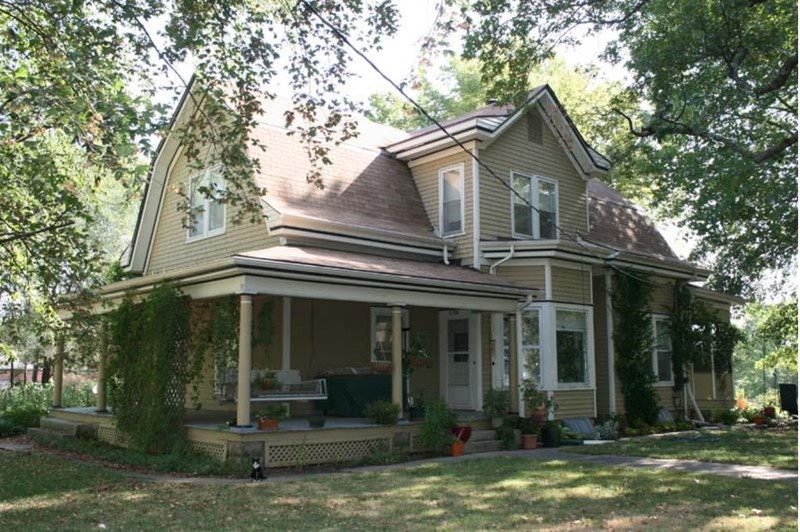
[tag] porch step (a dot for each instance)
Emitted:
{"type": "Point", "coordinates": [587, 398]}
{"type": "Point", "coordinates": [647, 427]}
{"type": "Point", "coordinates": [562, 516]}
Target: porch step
{"type": "Point", "coordinates": [482, 435]}
{"type": "Point", "coordinates": [67, 428]}
{"type": "Point", "coordinates": [482, 446]}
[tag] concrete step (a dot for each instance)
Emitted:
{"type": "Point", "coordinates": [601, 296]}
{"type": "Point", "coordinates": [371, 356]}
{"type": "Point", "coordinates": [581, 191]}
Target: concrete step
{"type": "Point", "coordinates": [482, 435]}
{"type": "Point", "coordinates": [68, 428]}
{"type": "Point", "coordinates": [484, 446]}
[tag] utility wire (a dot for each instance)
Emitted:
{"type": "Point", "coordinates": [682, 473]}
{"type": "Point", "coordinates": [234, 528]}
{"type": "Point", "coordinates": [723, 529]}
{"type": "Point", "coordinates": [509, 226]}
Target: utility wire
{"type": "Point", "coordinates": [343, 38]}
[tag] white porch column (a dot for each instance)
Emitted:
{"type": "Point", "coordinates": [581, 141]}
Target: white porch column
{"type": "Point", "coordinates": [101, 369]}
{"type": "Point", "coordinates": [286, 353]}
{"type": "Point", "coordinates": [397, 357]}
{"type": "Point", "coordinates": [513, 364]}
{"type": "Point", "coordinates": [245, 360]}
{"type": "Point", "coordinates": [58, 372]}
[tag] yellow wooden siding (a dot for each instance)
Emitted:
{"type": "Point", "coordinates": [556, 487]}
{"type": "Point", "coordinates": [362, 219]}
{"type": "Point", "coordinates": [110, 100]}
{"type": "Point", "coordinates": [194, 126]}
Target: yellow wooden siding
{"type": "Point", "coordinates": [570, 285]}
{"type": "Point", "coordinates": [530, 276]}
{"type": "Point", "coordinates": [513, 151]}
{"type": "Point", "coordinates": [663, 294]}
{"type": "Point", "coordinates": [170, 251]}
{"type": "Point", "coordinates": [600, 345]}
{"type": "Point", "coordinates": [574, 403]}
{"type": "Point", "coordinates": [426, 177]}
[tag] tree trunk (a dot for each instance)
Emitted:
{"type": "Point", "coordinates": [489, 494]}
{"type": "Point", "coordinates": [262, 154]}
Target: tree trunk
{"type": "Point", "coordinates": [35, 373]}
{"type": "Point", "coordinates": [45, 372]}
{"type": "Point", "coordinates": [11, 375]}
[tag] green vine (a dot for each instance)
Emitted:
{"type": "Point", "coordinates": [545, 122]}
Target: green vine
{"type": "Point", "coordinates": [697, 334]}
{"type": "Point", "coordinates": [151, 365]}
{"type": "Point", "coordinates": [633, 342]}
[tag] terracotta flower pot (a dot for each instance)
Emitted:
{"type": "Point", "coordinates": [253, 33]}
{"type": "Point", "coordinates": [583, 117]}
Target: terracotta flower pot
{"type": "Point", "coordinates": [758, 420]}
{"type": "Point", "coordinates": [530, 441]}
{"type": "Point", "coordinates": [268, 423]}
{"type": "Point", "coordinates": [457, 448]}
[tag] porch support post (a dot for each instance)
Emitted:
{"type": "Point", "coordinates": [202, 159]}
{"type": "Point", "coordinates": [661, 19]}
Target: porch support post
{"type": "Point", "coordinates": [513, 363]}
{"type": "Point", "coordinates": [101, 369]}
{"type": "Point", "coordinates": [397, 357]}
{"type": "Point", "coordinates": [286, 347]}
{"type": "Point", "coordinates": [245, 360]}
{"type": "Point", "coordinates": [58, 371]}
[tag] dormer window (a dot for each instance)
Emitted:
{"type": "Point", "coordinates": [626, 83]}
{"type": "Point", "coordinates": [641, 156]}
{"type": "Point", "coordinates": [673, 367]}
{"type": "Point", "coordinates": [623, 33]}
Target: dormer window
{"type": "Point", "coordinates": [451, 200]}
{"type": "Point", "coordinates": [207, 215]}
{"type": "Point", "coordinates": [542, 193]}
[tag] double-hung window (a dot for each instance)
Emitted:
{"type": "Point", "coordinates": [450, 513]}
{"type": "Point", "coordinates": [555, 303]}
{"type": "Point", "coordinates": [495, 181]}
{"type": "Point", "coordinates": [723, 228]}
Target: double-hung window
{"type": "Point", "coordinates": [451, 200]}
{"type": "Point", "coordinates": [662, 351]}
{"type": "Point", "coordinates": [572, 346]}
{"type": "Point", "coordinates": [207, 214]}
{"type": "Point", "coordinates": [530, 191]}
{"type": "Point", "coordinates": [531, 346]}
{"type": "Point", "coordinates": [381, 333]}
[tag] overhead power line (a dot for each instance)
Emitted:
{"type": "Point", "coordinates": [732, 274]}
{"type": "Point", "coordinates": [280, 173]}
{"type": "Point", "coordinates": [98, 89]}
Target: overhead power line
{"type": "Point", "coordinates": [344, 39]}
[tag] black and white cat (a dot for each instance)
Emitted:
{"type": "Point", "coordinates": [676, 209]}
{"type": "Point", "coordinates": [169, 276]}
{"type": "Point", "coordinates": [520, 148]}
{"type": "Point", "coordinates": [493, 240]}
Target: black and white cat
{"type": "Point", "coordinates": [257, 472]}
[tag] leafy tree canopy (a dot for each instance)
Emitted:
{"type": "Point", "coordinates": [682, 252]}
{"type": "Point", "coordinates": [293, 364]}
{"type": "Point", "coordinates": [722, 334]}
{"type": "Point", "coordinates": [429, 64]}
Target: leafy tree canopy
{"type": "Point", "coordinates": [713, 139]}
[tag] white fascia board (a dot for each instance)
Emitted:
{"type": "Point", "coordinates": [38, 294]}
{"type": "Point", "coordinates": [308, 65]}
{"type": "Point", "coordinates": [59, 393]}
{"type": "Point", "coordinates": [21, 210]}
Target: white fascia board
{"type": "Point", "coordinates": [447, 152]}
{"type": "Point", "coordinates": [434, 134]}
{"type": "Point", "coordinates": [298, 236]}
{"type": "Point", "coordinates": [443, 143]}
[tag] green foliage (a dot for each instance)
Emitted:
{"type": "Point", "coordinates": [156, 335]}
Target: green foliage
{"type": "Point", "coordinates": [496, 402]}
{"type": "Point", "coordinates": [383, 455]}
{"type": "Point", "coordinates": [528, 426]}
{"type": "Point", "coordinates": [435, 432]}
{"type": "Point", "coordinates": [633, 344]}
{"type": "Point", "coordinates": [505, 433]}
{"type": "Point", "coordinates": [8, 428]}
{"type": "Point", "coordinates": [151, 364]}
{"type": "Point", "coordinates": [727, 416]}
{"type": "Point", "coordinates": [24, 415]}
{"type": "Point", "coordinates": [382, 412]}
{"type": "Point", "coordinates": [711, 105]}
{"type": "Point", "coordinates": [533, 397]}
{"type": "Point", "coordinates": [40, 396]}
{"type": "Point", "coordinates": [272, 411]}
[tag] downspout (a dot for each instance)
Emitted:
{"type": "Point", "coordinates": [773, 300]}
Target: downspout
{"type": "Point", "coordinates": [493, 267]}
{"type": "Point", "coordinates": [445, 254]}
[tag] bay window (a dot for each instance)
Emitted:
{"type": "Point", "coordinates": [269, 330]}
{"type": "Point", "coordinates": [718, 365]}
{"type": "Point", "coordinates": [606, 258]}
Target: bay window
{"type": "Point", "coordinates": [540, 222]}
{"type": "Point", "coordinates": [572, 347]}
{"type": "Point", "coordinates": [531, 346]}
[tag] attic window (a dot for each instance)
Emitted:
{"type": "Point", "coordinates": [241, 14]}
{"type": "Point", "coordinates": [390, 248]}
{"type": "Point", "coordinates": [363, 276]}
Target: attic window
{"type": "Point", "coordinates": [535, 128]}
{"type": "Point", "coordinates": [208, 215]}
{"type": "Point", "coordinates": [451, 200]}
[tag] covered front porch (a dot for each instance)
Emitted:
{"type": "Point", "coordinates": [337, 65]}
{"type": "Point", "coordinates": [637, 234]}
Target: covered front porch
{"type": "Point", "coordinates": [342, 320]}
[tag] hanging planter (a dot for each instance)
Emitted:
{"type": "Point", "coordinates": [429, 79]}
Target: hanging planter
{"type": "Point", "coordinates": [381, 366]}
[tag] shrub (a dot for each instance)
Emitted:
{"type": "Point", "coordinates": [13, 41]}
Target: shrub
{"type": "Point", "coordinates": [439, 421]}
{"type": "Point", "coordinates": [382, 412]}
{"type": "Point", "coordinates": [528, 426]}
{"type": "Point", "coordinates": [606, 431]}
{"type": "Point", "coordinates": [505, 433]}
{"type": "Point", "coordinates": [276, 410]}
{"type": "Point", "coordinates": [7, 428]}
{"type": "Point", "coordinates": [727, 417]}
{"type": "Point", "coordinates": [24, 416]}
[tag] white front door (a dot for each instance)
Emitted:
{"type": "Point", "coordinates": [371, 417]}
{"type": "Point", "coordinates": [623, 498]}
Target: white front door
{"type": "Point", "coordinates": [458, 359]}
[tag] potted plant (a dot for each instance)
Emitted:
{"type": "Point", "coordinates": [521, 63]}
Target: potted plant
{"type": "Point", "coordinates": [769, 411]}
{"type": "Point", "coordinates": [462, 432]}
{"type": "Point", "coordinates": [269, 417]}
{"type": "Point", "coordinates": [435, 433]}
{"type": "Point", "coordinates": [457, 447]}
{"type": "Point", "coordinates": [537, 403]}
{"type": "Point", "coordinates": [270, 381]}
{"type": "Point", "coordinates": [495, 405]}
{"type": "Point", "coordinates": [416, 356]}
{"type": "Point", "coordinates": [551, 434]}
{"type": "Point", "coordinates": [382, 412]}
{"type": "Point", "coordinates": [530, 433]}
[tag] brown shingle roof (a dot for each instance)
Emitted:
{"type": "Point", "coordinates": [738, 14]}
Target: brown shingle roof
{"type": "Point", "coordinates": [618, 223]}
{"type": "Point", "coordinates": [363, 262]}
{"type": "Point", "coordinates": [363, 186]}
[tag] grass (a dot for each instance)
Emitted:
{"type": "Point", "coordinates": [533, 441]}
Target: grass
{"type": "Point", "coordinates": [772, 448]}
{"type": "Point", "coordinates": [43, 492]}
{"type": "Point", "coordinates": [186, 462]}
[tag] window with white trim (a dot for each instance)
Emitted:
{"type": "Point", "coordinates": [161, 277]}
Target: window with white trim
{"type": "Point", "coordinates": [542, 193]}
{"type": "Point", "coordinates": [207, 215]}
{"type": "Point", "coordinates": [451, 200]}
{"type": "Point", "coordinates": [531, 345]}
{"type": "Point", "coordinates": [572, 347]}
{"type": "Point", "coordinates": [381, 333]}
{"type": "Point", "coordinates": [662, 351]}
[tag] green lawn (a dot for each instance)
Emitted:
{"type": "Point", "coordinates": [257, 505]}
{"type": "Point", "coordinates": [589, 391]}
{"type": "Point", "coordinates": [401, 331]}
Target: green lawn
{"type": "Point", "coordinates": [43, 492]}
{"type": "Point", "coordinates": [735, 446]}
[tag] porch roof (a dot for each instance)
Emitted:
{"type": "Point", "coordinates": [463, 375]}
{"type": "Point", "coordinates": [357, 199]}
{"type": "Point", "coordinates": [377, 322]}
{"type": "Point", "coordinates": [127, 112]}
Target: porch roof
{"type": "Point", "coordinates": [310, 272]}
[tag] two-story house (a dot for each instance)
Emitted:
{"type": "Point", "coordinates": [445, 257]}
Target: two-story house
{"type": "Point", "coordinates": [494, 244]}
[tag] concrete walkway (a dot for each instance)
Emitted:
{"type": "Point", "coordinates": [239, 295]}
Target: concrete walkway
{"type": "Point", "coordinates": [547, 455]}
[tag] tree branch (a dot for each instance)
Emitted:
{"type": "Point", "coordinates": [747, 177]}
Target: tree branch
{"type": "Point", "coordinates": [781, 76]}
{"type": "Point", "coordinates": [11, 237]}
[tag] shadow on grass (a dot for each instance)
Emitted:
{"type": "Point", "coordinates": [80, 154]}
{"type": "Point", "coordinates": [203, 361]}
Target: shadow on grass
{"type": "Point", "coordinates": [499, 492]}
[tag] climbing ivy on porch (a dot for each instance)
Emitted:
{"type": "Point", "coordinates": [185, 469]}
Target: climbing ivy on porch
{"type": "Point", "coordinates": [151, 364]}
{"type": "Point", "coordinates": [633, 343]}
{"type": "Point", "coordinates": [698, 334]}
